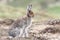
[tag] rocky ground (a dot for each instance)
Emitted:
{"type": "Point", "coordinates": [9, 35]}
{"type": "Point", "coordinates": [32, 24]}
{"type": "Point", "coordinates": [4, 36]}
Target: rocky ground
{"type": "Point", "coordinates": [48, 30]}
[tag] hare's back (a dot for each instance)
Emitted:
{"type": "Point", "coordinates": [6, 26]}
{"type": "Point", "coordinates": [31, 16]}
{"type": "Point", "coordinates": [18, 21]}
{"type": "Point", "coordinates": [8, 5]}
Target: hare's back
{"type": "Point", "coordinates": [20, 23]}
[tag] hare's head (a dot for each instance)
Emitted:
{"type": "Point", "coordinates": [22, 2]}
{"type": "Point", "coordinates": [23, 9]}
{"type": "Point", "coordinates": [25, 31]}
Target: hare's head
{"type": "Point", "coordinates": [29, 11]}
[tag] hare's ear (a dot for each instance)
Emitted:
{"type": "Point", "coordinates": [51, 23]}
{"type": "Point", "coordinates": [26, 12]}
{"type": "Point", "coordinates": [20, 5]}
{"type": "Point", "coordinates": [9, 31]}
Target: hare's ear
{"type": "Point", "coordinates": [29, 7]}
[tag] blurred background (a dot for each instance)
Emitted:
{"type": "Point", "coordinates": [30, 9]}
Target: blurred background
{"type": "Point", "coordinates": [43, 9]}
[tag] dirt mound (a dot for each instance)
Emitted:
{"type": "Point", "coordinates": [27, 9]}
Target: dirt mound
{"type": "Point", "coordinates": [53, 21]}
{"type": "Point", "coordinates": [6, 21]}
{"type": "Point", "coordinates": [37, 31]}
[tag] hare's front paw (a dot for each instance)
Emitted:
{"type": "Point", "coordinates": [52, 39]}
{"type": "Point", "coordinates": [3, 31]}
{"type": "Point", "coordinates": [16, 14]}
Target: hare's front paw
{"type": "Point", "coordinates": [25, 35]}
{"type": "Point", "coordinates": [21, 32]}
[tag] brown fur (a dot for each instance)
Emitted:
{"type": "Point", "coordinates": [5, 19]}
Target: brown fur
{"type": "Point", "coordinates": [21, 25]}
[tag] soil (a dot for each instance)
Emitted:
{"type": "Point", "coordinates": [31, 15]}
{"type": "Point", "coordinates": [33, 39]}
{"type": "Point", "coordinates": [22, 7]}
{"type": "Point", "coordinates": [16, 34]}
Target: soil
{"type": "Point", "coordinates": [37, 31]}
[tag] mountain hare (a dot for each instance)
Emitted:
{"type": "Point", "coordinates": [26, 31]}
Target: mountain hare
{"type": "Point", "coordinates": [20, 26]}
